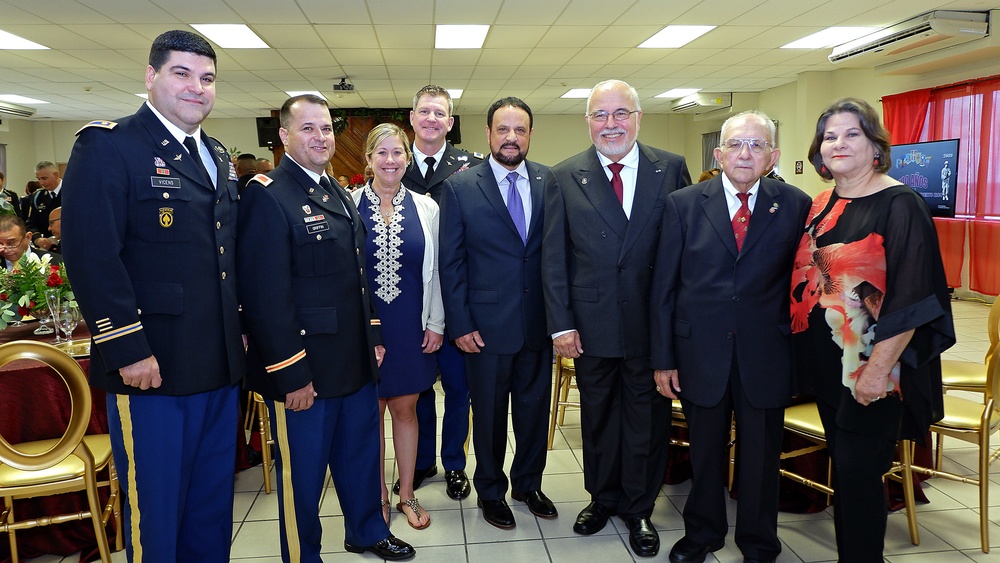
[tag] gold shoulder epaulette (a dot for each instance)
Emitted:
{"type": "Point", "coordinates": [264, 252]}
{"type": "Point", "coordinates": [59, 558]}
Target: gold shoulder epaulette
{"type": "Point", "coordinates": [102, 123]}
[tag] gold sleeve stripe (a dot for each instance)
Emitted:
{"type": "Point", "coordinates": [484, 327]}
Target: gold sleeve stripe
{"type": "Point", "coordinates": [376, 322]}
{"type": "Point", "coordinates": [284, 364]}
{"type": "Point", "coordinates": [125, 330]}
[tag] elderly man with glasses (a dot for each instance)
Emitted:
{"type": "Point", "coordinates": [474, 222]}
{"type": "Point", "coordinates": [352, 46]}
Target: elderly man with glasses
{"type": "Point", "coordinates": [720, 331]}
{"type": "Point", "coordinates": [603, 215]}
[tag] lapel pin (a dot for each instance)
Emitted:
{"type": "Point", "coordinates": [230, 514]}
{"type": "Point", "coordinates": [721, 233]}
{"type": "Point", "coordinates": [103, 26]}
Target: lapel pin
{"type": "Point", "coordinates": [774, 207]}
{"type": "Point", "coordinates": [326, 198]}
{"type": "Point", "coordinates": [658, 170]}
{"type": "Point", "coordinates": [158, 162]}
{"type": "Point", "coordinates": [307, 209]}
{"type": "Point", "coordinates": [583, 180]}
{"type": "Point", "coordinates": [165, 142]}
{"type": "Point", "coordinates": [178, 157]}
{"type": "Point", "coordinates": [311, 190]}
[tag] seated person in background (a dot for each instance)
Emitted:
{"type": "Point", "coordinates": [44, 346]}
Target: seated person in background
{"type": "Point", "coordinates": [709, 174]}
{"type": "Point", "coordinates": [344, 181]}
{"type": "Point", "coordinates": [264, 166]}
{"type": "Point", "coordinates": [42, 202]}
{"type": "Point", "coordinates": [55, 227]}
{"type": "Point", "coordinates": [14, 240]}
{"type": "Point", "coordinates": [9, 196]}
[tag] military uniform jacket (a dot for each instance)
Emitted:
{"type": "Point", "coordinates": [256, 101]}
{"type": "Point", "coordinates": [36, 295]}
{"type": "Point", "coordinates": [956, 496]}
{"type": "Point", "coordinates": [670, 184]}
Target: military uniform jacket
{"type": "Point", "coordinates": [305, 297]}
{"type": "Point", "coordinates": [452, 161]}
{"type": "Point", "coordinates": [150, 250]}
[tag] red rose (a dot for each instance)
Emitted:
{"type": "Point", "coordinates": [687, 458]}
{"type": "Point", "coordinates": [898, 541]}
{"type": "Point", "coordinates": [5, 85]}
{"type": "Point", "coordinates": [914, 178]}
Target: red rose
{"type": "Point", "coordinates": [22, 310]}
{"type": "Point", "coordinates": [53, 269]}
{"type": "Point", "coordinates": [3, 296]}
{"type": "Point", "coordinates": [54, 280]}
{"type": "Point", "coordinates": [357, 179]}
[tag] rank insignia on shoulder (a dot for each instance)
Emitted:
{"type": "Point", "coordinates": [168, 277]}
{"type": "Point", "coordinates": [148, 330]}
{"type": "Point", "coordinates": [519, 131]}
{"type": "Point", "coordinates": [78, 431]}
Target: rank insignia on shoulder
{"type": "Point", "coordinates": [99, 123]}
{"type": "Point", "coordinates": [262, 178]}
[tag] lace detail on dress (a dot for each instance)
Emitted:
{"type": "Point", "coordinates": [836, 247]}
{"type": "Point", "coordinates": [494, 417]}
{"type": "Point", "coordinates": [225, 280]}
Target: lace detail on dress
{"type": "Point", "coordinates": [387, 242]}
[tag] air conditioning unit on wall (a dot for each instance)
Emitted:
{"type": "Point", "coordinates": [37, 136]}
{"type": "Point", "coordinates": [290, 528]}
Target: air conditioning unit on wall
{"type": "Point", "coordinates": [702, 102]}
{"type": "Point", "coordinates": [925, 33]}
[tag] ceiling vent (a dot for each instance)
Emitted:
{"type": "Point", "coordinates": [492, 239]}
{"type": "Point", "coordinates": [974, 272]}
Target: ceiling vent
{"type": "Point", "coordinates": [925, 33]}
{"type": "Point", "coordinates": [702, 102]}
{"type": "Point", "coordinates": [14, 109]}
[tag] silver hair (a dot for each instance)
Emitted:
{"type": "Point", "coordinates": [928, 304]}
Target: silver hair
{"type": "Point", "coordinates": [762, 117]}
{"type": "Point", "coordinates": [608, 84]}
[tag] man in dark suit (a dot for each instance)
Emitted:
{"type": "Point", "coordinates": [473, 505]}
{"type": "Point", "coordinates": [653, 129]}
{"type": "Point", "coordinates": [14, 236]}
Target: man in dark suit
{"type": "Point", "coordinates": [720, 325]}
{"type": "Point", "coordinates": [314, 340]}
{"type": "Point", "coordinates": [42, 202]}
{"type": "Point", "coordinates": [491, 278]}
{"type": "Point", "coordinates": [10, 196]}
{"type": "Point", "coordinates": [435, 160]}
{"type": "Point", "coordinates": [602, 222]}
{"type": "Point", "coordinates": [149, 231]}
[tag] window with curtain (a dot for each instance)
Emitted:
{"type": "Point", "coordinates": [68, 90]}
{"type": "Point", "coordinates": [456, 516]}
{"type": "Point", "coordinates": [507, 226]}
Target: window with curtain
{"type": "Point", "coordinates": [709, 141]}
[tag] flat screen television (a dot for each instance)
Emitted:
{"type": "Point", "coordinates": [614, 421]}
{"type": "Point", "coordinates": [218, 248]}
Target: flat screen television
{"type": "Point", "coordinates": [931, 169]}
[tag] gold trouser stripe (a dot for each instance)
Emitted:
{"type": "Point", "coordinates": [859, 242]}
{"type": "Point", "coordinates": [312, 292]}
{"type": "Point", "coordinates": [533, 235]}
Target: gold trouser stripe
{"type": "Point", "coordinates": [288, 493]}
{"type": "Point", "coordinates": [125, 415]}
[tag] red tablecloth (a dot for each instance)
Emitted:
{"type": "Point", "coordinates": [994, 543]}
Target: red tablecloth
{"type": "Point", "coordinates": [34, 405]}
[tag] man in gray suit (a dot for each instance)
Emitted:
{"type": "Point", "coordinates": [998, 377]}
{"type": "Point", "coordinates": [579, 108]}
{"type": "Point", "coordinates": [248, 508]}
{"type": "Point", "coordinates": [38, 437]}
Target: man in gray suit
{"type": "Point", "coordinates": [491, 279]}
{"type": "Point", "coordinates": [603, 216]}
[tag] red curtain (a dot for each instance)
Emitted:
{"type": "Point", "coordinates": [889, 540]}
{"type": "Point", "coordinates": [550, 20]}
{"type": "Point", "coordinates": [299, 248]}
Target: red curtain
{"type": "Point", "coordinates": [905, 114]}
{"type": "Point", "coordinates": [951, 239]}
{"type": "Point", "coordinates": [984, 250]}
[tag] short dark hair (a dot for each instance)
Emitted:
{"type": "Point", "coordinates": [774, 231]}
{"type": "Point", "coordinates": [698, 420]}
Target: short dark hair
{"type": "Point", "coordinates": [285, 115]}
{"type": "Point", "coordinates": [434, 91]}
{"type": "Point", "coordinates": [246, 156]}
{"type": "Point", "coordinates": [512, 102]}
{"type": "Point", "coordinates": [9, 220]}
{"type": "Point", "coordinates": [179, 40]}
{"type": "Point", "coordinates": [871, 126]}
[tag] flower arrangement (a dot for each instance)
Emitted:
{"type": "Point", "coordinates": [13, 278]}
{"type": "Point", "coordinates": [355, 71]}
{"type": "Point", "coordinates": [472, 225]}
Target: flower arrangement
{"type": "Point", "coordinates": [23, 289]}
{"type": "Point", "coordinates": [357, 181]}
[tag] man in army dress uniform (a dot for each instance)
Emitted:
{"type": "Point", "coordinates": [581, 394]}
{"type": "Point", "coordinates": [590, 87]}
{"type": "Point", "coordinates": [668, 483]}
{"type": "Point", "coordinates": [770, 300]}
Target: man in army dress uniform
{"type": "Point", "coordinates": [149, 236]}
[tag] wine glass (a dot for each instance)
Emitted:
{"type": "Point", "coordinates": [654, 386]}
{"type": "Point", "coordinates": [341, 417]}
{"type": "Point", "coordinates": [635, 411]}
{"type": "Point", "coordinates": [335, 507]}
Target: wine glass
{"type": "Point", "coordinates": [52, 305]}
{"type": "Point", "coordinates": [67, 319]}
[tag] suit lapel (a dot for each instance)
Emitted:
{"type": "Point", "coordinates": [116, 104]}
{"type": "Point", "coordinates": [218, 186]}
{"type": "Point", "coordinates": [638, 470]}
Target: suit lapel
{"type": "Point", "coordinates": [173, 153]}
{"type": "Point", "coordinates": [491, 191]}
{"type": "Point", "coordinates": [648, 183]}
{"type": "Point", "coordinates": [717, 212]}
{"type": "Point", "coordinates": [536, 182]}
{"type": "Point", "coordinates": [764, 210]}
{"type": "Point", "coordinates": [596, 186]}
{"type": "Point", "coordinates": [451, 161]}
{"type": "Point", "coordinates": [313, 191]}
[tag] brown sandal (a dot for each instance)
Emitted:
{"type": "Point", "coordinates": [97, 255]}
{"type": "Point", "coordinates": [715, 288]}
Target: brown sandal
{"type": "Point", "coordinates": [385, 510]}
{"type": "Point", "coordinates": [414, 505]}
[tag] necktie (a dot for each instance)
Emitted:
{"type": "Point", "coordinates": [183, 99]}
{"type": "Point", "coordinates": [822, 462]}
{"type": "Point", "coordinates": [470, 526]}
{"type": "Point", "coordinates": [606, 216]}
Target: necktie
{"type": "Point", "coordinates": [325, 182]}
{"type": "Point", "coordinates": [741, 221]}
{"type": "Point", "coordinates": [430, 169]}
{"type": "Point", "coordinates": [516, 207]}
{"type": "Point", "coordinates": [616, 180]}
{"type": "Point", "coordinates": [192, 146]}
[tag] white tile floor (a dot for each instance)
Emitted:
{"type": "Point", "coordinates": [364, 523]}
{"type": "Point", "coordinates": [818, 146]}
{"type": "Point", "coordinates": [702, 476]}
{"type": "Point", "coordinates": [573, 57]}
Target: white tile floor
{"type": "Point", "coordinates": [949, 524]}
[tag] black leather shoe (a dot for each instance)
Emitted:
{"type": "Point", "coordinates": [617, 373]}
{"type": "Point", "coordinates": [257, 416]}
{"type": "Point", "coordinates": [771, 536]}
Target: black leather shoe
{"type": "Point", "coordinates": [537, 502]}
{"type": "Point", "coordinates": [418, 478]}
{"type": "Point", "coordinates": [592, 519]}
{"type": "Point", "coordinates": [254, 458]}
{"type": "Point", "coordinates": [391, 548]}
{"type": "Point", "coordinates": [687, 550]}
{"type": "Point", "coordinates": [642, 537]}
{"type": "Point", "coordinates": [497, 513]}
{"type": "Point", "coordinates": [458, 484]}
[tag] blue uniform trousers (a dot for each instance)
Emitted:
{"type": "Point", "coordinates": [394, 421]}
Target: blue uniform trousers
{"type": "Point", "coordinates": [455, 426]}
{"type": "Point", "coordinates": [174, 456]}
{"type": "Point", "coordinates": [340, 433]}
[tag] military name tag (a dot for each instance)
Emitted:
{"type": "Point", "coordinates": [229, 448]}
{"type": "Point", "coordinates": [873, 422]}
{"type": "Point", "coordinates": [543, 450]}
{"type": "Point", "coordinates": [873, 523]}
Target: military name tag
{"type": "Point", "coordinates": [172, 183]}
{"type": "Point", "coordinates": [317, 227]}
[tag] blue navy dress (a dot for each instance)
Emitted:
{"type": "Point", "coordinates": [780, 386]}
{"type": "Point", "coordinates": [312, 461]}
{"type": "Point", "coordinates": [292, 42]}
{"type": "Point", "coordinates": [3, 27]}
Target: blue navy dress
{"type": "Point", "coordinates": [395, 265]}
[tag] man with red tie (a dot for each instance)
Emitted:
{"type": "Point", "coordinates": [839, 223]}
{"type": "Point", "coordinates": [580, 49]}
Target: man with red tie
{"type": "Point", "coordinates": [720, 331]}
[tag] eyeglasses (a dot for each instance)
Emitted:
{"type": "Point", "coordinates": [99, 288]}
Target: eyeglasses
{"type": "Point", "coordinates": [11, 243]}
{"type": "Point", "coordinates": [735, 145]}
{"type": "Point", "coordinates": [618, 114]}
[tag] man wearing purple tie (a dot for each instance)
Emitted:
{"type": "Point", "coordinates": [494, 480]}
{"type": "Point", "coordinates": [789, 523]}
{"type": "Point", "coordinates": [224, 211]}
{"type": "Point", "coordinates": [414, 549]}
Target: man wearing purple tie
{"type": "Point", "coordinates": [491, 279]}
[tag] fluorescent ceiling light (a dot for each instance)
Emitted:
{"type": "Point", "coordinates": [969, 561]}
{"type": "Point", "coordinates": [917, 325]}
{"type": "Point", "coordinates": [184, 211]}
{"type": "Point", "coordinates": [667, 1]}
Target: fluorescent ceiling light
{"type": "Point", "coordinates": [15, 99]}
{"type": "Point", "coordinates": [830, 37]}
{"type": "Point", "coordinates": [577, 93]}
{"type": "Point", "coordinates": [674, 36]}
{"type": "Point", "coordinates": [11, 41]}
{"type": "Point", "coordinates": [231, 36]}
{"type": "Point", "coordinates": [460, 36]}
{"type": "Point", "coordinates": [293, 93]}
{"type": "Point", "coordinates": [677, 93]}
{"type": "Point", "coordinates": [455, 93]}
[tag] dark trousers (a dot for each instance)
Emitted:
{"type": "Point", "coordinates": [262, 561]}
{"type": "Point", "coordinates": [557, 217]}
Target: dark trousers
{"type": "Point", "coordinates": [860, 507]}
{"type": "Point", "coordinates": [455, 426]}
{"type": "Point", "coordinates": [625, 425]}
{"type": "Point", "coordinates": [174, 457]}
{"type": "Point", "coordinates": [758, 450]}
{"type": "Point", "coordinates": [340, 433]}
{"type": "Point", "coordinates": [522, 385]}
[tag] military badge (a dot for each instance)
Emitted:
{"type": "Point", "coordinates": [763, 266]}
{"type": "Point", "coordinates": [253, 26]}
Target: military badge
{"type": "Point", "coordinates": [178, 157]}
{"type": "Point", "coordinates": [326, 198]}
{"type": "Point", "coordinates": [583, 181]}
{"type": "Point", "coordinates": [158, 162]}
{"type": "Point", "coordinates": [461, 158]}
{"type": "Point", "coordinates": [232, 172]}
{"type": "Point", "coordinates": [163, 171]}
{"type": "Point", "coordinates": [307, 209]}
{"type": "Point", "coordinates": [166, 217]}
{"type": "Point", "coordinates": [164, 142]}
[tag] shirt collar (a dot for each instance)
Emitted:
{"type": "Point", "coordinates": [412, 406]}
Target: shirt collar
{"type": "Point", "coordinates": [500, 173]}
{"type": "Point", "coordinates": [630, 160]}
{"type": "Point", "coordinates": [417, 155]}
{"type": "Point", "coordinates": [731, 189]}
{"type": "Point", "coordinates": [174, 130]}
{"type": "Point", "coordinates": [315, 177]}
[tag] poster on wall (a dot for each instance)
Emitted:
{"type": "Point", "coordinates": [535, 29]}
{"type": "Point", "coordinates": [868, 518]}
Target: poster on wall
{"type": "Point", "coordinates": [931, 169]}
